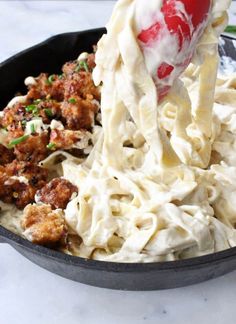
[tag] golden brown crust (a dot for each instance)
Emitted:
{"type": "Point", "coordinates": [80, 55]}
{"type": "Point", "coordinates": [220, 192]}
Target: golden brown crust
{"type": "Point", "coordinates": [91, 61]}
{"type": "Point", "coordinates": [43, 226]}
{"type": "Point", "coordinates": [79, 114]}
{"type": "Point", "coordinates": [17, 115]}
{"type": "Point", "coordinates": [57, 193]}
{"type": "Point", "coordinates": [6, 155]}
{"type": "Point", "coordinates": [14, 115]}
{"type": "Point", "coordinates": [44, 88]}
{"type": "Point", "coordinates": [65, 139]}
{"type": "Point", "coordinates": [33, 149]}
{"type": "Point", "coordinates": [49, 105]}
{"type": "Point", "coordinates": [21, 191]}
{"type": "Point", "coordinates": [69, 68]}
{"type": "Point", "coordinates": [81, 84]}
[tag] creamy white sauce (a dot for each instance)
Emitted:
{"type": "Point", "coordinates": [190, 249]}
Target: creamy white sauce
{"type": "Point", "coordinates": [20, 99]}
{"type": "Point", "coordinates": [83, 56]}
{"type": "Point", "coordinates": [55, 124]}
{"type": "Point", "coordinates": [10, 218]}
{"type": "Point", "coordinates": [83, 140]}
{"type": "Point", "coordinates": [37, 125]}
{"type": "Point", "coordinates": [29, 81]}
{"type": "Point", "coordinates": [21, 179]}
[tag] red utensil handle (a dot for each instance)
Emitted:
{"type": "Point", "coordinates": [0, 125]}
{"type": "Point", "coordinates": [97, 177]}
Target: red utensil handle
{"type": "Point", "coordinates": [183, 19]}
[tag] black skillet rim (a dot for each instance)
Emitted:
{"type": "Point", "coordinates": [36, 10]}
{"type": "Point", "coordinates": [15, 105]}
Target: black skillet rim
{"type": "Point", "coordinates": [196, 262]}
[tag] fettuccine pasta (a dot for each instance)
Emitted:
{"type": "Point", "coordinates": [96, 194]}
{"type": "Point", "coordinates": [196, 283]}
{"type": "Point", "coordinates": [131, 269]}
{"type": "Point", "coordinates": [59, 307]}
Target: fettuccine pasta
{"type": "Point", "coordinates": [150, 190]}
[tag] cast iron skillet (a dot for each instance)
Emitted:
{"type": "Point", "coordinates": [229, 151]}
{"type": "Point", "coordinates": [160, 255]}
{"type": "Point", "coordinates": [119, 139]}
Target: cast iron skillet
{"type": "Point", "coordinates": [49, 56]}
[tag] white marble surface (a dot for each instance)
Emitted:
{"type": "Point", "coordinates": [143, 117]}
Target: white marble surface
{"type": "Point", "coordinates": [31, 295]}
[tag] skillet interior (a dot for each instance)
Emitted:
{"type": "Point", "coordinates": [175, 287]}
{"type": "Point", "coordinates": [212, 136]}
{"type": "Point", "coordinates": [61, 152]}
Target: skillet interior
{"type": "Point", "coordinates": [49, 56]}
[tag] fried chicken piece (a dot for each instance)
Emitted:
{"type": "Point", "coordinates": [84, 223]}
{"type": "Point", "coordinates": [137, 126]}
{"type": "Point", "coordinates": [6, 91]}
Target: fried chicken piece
{"type": "Point", "coordinates": [47, 87]}
{"type": "Point", "coordinates": [6, 155]}
{"type": "Point", "coordinates": [69, 68]}
{"type": "Point", "coordinates": [91, 61]}
{"type": "Point", "coordinates": [13, 116]}
{"type": "Point", "coordinates": [32, 149]}
{"type": "Point", "coordinates": [74, 66]}
{"type": "Point", "coordinates": [17, 193]}
{"type": "Point", "coordinates": [19, 182]}
{"type": "Point", "coordinates": [57, 193]}
{"type": "Point", "coordinates": [36, 175]}
{"type": "Point", "coordinates": [16, 117]}
{"type": "Point", "coordinates": [44, 226]}
{"type": "Point", "coordinates": [5, 192]}
{"type": "Point", "coordinates": [67, 139]}
{"type": "Point", "coordinates": [80, 84]}
{"type": "Point", "coordinates": [79, 113]}
{"type": "Point", "coordinates": [49, 109]}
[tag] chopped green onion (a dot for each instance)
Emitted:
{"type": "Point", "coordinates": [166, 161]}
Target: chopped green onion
{"type": "Point", "coordinates": [72, 100]}
{"type": "Point", "coordinates": [48, 112]}
{"type": "Point", "coordinates": [37, 101]}
{"type": "Point", "coordinates": [23, 122]}
{"type": "Point", "coordinates": [18, 140]}
{"type": "Point", "coordinates": [230, 29]}
{"type": "Point", "coordinates": [61, 76]}
{"type": "Point", "coordinates": [33, 109]}
{"type": "Point", "coordinates": [51, 146]}
{"type": "Point", "coordinates": [82, 66]}
{"type": "Point", "coordinates": [32, 128]}
{"type": "Point", "coordinates": [50, 79]}
{"type": "Point", "coordinates": [30, 108]}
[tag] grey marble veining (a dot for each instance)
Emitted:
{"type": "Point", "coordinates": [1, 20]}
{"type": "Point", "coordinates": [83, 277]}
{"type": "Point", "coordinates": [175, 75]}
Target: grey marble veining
{"type": "Point", "coordinates": [31, 295]}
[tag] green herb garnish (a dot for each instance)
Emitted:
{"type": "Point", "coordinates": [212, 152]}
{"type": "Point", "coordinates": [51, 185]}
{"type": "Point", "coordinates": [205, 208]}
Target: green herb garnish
{"type": "Point", "coordinates": [51, 146]}
{"type": "Point", "coordinates": [82, 66]}
{"type": "Point", "coordinates": [230, 29]}
{"type": "Point", "coordinates": [37, 101]}
{"type": "Point", "coordinates": [48, 112]}
{"type": "Point", "coordinates": [33, 109]}
{"type": "Point", "coordinates": [18, 140]}
{"type": "Point", "coordinates": [50, 79]}
{"type": "Point", "coordinates": [23, 123]}
{"type": "Point", "coordinates": [61, 76]}
{"type": "Point", "coordinates": [32, 128]}
{"type": "Point", "coordinates": [72, 100]}
{"type": "Point", "coordinates": [30, 108]}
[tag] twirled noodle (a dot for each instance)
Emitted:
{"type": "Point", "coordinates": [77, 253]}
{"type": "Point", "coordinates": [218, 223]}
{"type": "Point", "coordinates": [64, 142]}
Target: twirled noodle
{"type": "Point", "coordinates": [156, 199]}
{"type": "Point", "coordinates": [160, 181]}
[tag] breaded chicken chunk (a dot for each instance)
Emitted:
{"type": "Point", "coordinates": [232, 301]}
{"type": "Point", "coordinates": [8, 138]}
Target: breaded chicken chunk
{"type": "Point", "coordinates": [43, 226]}
{"type": "Point", "coordinates": [19, 182]}
{"type": "Point", "coordinates": [6, 155]}
{"type": "Point", "coordinates": [57, 193]}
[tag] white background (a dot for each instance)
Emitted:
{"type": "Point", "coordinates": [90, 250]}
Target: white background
{"type": "Point", "coordinates": [31, 295]}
